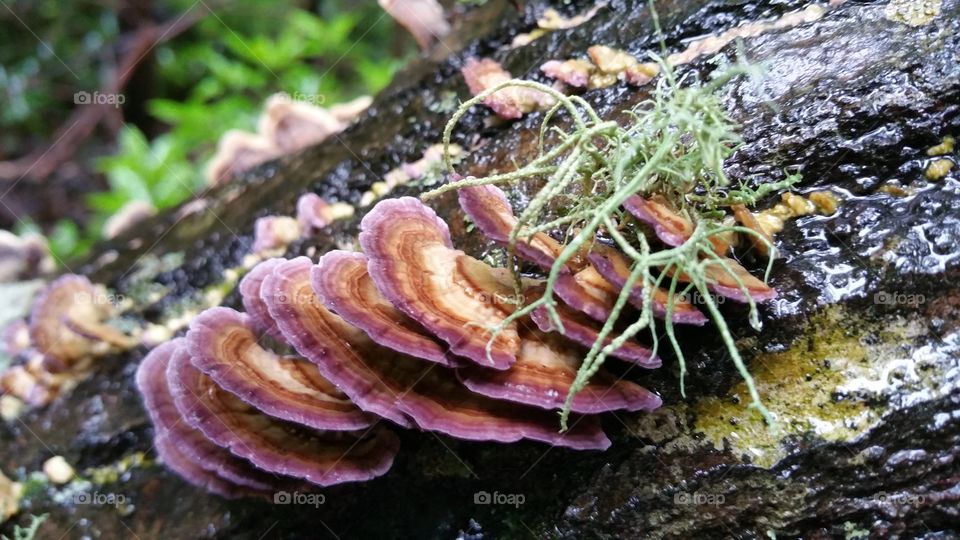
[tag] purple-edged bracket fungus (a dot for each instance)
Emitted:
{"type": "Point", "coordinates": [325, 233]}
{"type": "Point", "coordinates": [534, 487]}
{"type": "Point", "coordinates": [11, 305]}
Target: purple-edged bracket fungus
{"type": "Point", "coordinates": [238, 151]}
{"type": "Point", "coordinates": [343, 285]}
{"type": "Point", "coordinates": [581, 329]}
{"type": "Point", "coordinates": [223, 344]}
{"type": "Point", "coordinates": [314, 213]}
{"type": "Point", "coordinates": [575, 72]}
{"type": "Point", "coordinates": [491, 212]}
{"type": "Point", "coordinates": [15, 338]}
{"type": "Point", "coordinates": [254, 305]}
{"type": "Point", "coordinates": [24, 257]}
{"type": "Point", "coordinates": [763, 240]}
{"type": "Point", "coordinates": [272, 234]}
{"type": "Point", "coordinates": [405, 390]}
{"type": "Point", "coordinates": [615, 268]}
{"type": "Point", "coordinates": [580, 286]}
{"type": "Point", "coordinates": [325, 338]}
{"type": "Point", "coordinates": [413, 263]}
{"type": "Point", "coordinates": [543, 374]}
{"type": "Point", "coordinates": [509, 102]}
{"type": "Point", "coordinates": [185, 449]}
{"type": "Point", "coordinates": [729, 279]}
{"type": "Point", "coordinates": [323, 458]}
{"type": "Point", "coordinates": [587, 291]}
{"type": "Point", "coordinates": [291, 124]}
{"type": "Point", "coordinates": [67, 322]}
{"type": "Point", "coordinates": [671, 227]}
{"type": "Point", "coordinates": [127, 218]}
{"type": "Point", "coordinates": [424, 19]}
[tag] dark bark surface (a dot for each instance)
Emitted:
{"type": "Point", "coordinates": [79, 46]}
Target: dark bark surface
{"type": "Point", "coordinates": [866, 389]}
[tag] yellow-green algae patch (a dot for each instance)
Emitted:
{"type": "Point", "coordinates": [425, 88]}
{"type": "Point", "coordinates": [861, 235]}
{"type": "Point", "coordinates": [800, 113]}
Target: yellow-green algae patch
{"type": "Point", "coordinates": [825, 385]}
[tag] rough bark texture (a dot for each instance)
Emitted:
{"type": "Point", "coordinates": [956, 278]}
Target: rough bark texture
{"type": "Point", "coordinates": [865, 388]}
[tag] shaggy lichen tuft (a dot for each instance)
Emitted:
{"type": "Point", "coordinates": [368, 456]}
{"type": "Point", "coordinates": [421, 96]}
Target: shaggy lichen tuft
{"type": "Point", "coordinates": [674, 146]}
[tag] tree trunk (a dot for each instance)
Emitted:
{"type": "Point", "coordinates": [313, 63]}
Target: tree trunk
{"type": "Point", "coordinates": [865, 387]}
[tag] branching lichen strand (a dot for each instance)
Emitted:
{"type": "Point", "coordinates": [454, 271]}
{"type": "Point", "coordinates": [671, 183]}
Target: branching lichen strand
{"type": "Point", "coordinates": [674, 146]}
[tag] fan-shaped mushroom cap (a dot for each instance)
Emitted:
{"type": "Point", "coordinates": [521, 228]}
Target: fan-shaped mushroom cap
{"type": "Point", "coordinates": [615, 268]}
{"type": "Point", "coordinates": [15, 337]}
{"type": "Point", "coordinates": [424, 19]}
{"type": "Point", "coordinates": [588, 292]}
{"type": "Point", "coordinates": [291, 124]}
{"type": "Point", "coordinates": [128, 217]}
{"type": "Point", "coordinates": [575, 72]}
{"type": "Point", "coordinates": [223, 345]}
{"type": "Point", "coordinates": [415, 267]}
{"type": "Point", "coordinates": [403, 389]}
{"type": "Point", "coordinates": [510, 102]}
{"type": "Point", "coordinates": [253, 304]}
{"type": "Point", "coordinates": [24, 257]}
{"type": "Point", "coordinates": [324, 338]}
{"type": "Point", "coordinates": [238, 151]}
{"type": "Point", "coordinates": [723, 281]}
{"type": "Point", "coordinates": [311, 211]}
{"type": "Point", "coordinates": [66, 322]}
{"type": "Point", "coordinates": [274, 233]}
{"type": "Point", "coordinates": [492, 213]}
{"type": "Point", "coordinates": [171, 455]}
{"type": "Point", "coordinates": [343, 285]}
{"type": "Point", "coordinates": [184, 449]}
{"type": "Point", "coordinates": [545, 371]}
{"type": "Point", "coordinates": [670, 227]}
{"type": "Point", "coordinates": [349, 110]}
{"type": "Point", "coordinates": [747, 219]}
{"type": "Point", "coordinates": [579, 328]}
{"type": "Point", "coordinates": [320, 457]}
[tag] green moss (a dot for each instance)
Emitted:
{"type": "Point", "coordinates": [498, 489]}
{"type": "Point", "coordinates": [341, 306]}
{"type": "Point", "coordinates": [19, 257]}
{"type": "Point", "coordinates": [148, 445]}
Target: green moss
{"type": "Point", "coordinates": [35, 484]}
{"type": "Point", "coordinates": [110, 474]}
{"type": "Point", "coordinates": [798, 385]}
{"type": "Point", "coordinates": [830, 384]}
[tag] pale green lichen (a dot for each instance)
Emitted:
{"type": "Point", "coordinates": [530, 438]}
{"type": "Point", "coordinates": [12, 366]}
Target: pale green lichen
{"type": "Point", "coordinates": [30, 531]}
{"type": "Point", "coordinates": [674, 145]}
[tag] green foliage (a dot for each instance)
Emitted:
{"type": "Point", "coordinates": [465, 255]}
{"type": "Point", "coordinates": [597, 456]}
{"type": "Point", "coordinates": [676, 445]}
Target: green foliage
{"type": "Point", "coordinates": [48, 50]}
{"type": "Point", "coordinates": [674, 145]}
{"type": "Point", "coordinates": [214, 78]}
{"type": "Point", "coordinates": [320, 60]}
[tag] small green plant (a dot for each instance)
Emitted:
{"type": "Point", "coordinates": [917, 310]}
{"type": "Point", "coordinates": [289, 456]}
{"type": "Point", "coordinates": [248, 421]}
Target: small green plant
{"type": "Point", "coordinates": [674, 145]}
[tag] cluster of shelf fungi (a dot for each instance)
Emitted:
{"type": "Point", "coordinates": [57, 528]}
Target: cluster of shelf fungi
{"type": "Point", "coordinates": [294, 392]}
